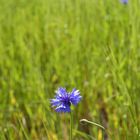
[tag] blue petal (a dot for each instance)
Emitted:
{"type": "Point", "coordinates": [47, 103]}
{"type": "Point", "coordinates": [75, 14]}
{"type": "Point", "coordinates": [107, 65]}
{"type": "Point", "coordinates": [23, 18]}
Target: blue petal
{"type": "Point", "coordinates": [61, 92]}
{"type": "Point", "coordinates": [63, 108]}
{"type": "Point", "coordinates": [55, 102]}
{"type": "Point", "coordinates": [75, 97]}
{"type": "Point", "coordinates": [124, 1]}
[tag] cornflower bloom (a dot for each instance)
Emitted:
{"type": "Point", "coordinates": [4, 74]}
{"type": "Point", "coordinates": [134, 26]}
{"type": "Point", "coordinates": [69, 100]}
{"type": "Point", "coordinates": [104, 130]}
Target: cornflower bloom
{"type": "Point", "coordinates": [124, 1]}
{"type": "Point", "coordinates": [63, 99]}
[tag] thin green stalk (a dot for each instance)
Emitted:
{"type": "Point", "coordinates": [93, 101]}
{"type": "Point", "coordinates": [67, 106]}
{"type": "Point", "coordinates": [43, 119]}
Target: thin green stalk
{"type": "Point", "coordinates": [90, 122]}
{"type": "Point", "coordinates": [93, 123]}
{"type": "Point", "coordinates": [103, 133]}
{"type": "Point", "coordinates": [71, 125]}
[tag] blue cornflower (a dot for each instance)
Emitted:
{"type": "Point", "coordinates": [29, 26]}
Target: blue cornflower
{"type": "Point", "coordinates": [63, 99]}
{"type": "Point", "coordinates": [124, 1]}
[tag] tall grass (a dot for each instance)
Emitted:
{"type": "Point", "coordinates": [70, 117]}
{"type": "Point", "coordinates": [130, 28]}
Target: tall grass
{"type": "Point", "coordinates": [88, 44]}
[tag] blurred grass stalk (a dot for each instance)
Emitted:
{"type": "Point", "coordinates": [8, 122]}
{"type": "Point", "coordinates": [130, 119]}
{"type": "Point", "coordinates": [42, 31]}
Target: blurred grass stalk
{"type": "Point", "coordinates": [100, 136]}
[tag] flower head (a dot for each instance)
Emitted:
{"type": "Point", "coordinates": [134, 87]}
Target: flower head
{"type": "Point", "coordinates": [124, 1]}
{"type": "Point", "coordinates": [63, 99]}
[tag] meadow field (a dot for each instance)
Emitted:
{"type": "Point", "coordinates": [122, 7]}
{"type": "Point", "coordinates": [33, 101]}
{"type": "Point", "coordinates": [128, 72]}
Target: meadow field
{"type": "Point", "coordinates": [92, 45]}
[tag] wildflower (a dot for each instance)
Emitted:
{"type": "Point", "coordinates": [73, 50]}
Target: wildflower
{"type": "Point", "coordinates": [124, 1]}
{"type": "Point", "coordinates": [63, 99]}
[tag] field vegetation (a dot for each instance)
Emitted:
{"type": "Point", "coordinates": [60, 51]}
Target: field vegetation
{"type": "Point", "coordinates": [92, 45]}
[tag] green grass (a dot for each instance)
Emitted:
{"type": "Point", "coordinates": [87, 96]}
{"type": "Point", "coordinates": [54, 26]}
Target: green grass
{"type": "Point", "coordinates": [88, 44]}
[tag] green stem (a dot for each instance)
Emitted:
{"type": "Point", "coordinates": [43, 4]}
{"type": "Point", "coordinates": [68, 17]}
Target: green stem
{"type": "Point", "coordinates": [103, 133]}
{"type": "Point", "coordinates": [71, 125]}
{"type": "Point", "coordinates": [90, 122]}
{"type": "Point", "coordinates": [96, 124]}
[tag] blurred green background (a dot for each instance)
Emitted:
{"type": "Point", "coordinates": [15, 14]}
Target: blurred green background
{"type": "Point", "coordinates": [88, 44]}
